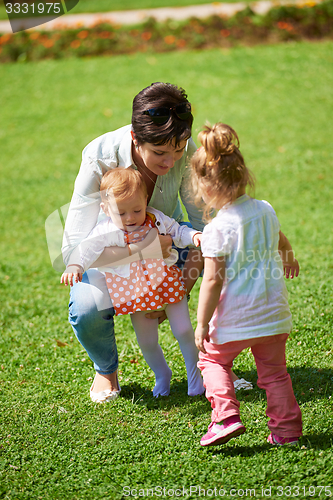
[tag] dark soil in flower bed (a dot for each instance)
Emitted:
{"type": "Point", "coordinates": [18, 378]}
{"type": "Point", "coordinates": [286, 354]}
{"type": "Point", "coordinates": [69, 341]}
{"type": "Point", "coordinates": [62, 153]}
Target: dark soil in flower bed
{"type": "Point", "coordinates": [287, 23]}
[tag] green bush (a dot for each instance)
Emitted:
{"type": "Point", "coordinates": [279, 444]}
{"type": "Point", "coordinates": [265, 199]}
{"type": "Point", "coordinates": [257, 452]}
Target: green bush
{"type": "Point", "coordinates": [308, 21]}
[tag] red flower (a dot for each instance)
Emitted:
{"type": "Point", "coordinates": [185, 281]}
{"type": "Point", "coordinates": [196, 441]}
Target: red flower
{"type": "Point", "coordinates": [225, 33]}
{"type": "Point", "coordinates": [146, 35]}
{"type": "Point", "coordinates": [170, 39]}
{"type": "Point", "coordinates": [83, 34]}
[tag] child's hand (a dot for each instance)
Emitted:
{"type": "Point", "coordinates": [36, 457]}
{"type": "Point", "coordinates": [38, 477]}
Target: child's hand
{"type": "Point", "coordinates": [291, 270]}
{"type": "Point", "coordinates": [201, 334]}
{"type": "Point", "coordinates": [197, 239]}
{"type": "Point", "coordinates": [73, 274]}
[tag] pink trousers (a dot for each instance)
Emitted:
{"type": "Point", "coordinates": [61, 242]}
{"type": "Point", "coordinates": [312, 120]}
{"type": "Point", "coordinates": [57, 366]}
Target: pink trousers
{"type": "Point", "coordinates": [285, 418]}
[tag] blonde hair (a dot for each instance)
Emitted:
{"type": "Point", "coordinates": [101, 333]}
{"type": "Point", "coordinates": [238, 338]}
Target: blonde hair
{"type": "Point", "coordinates": [122, 183]}
{"type": "Point", "coordinates": [220, 166]}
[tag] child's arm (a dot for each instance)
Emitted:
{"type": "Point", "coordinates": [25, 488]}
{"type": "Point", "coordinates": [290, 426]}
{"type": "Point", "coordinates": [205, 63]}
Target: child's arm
{"type": "Point", "coordinates": [209, 296]}
{"type": "Point", "coordinates": [290, 264]}
{"type": "Point", "coordinates": [197, 239]}
{"type": "Point", "coordinates": [72, 275]}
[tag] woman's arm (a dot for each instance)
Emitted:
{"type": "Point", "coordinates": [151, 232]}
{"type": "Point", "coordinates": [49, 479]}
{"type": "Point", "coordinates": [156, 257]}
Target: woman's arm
{"type": "Point", "coordinates": [209, 296]}
{"type": "Point", "coordinates": [153, 246]}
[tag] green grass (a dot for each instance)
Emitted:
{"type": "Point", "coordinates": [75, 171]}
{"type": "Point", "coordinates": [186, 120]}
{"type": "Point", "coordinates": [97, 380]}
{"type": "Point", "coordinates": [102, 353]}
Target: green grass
{"type": "Point", "coordinates": [91, 6]}
{"type": "Point", "coordinates": [54, 442]}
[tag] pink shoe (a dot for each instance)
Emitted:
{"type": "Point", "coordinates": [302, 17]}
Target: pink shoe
{"type": "Point", "coordinates": [279, 441]}
{"type": "Point", "coordinates": [221, 433]}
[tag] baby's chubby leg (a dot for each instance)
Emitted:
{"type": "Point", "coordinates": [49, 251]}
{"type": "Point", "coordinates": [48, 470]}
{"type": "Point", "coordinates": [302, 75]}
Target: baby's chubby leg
{"type": "Point", "coordinates": [147, 336]}
{"type": "Point", "coordinates": [182, 329]}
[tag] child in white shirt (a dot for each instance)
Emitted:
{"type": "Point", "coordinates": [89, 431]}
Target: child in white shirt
{"type": "Point", "coordinates": [243, 298]}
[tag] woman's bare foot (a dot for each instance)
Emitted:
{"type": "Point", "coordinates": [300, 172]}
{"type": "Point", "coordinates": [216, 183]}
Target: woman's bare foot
{"type": "Point", "coordinates": [105, 382]}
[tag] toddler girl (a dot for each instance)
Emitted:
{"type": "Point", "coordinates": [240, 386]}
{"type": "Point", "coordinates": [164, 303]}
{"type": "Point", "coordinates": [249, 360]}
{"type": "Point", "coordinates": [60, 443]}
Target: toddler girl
{"type": "Point", "coordinates": [243, 299]}
{"type": "Point", "coordinates": [147, 284]}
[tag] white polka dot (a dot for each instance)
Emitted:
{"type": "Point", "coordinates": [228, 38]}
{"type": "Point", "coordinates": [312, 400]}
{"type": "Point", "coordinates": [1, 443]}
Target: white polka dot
{"type": "Point", "coordinates": [143, 304]}
{"type": "Point", "coordinates": [124, 309]}
{"type": "Point", "coordinates": [145, 272]}
{"type": "Point", "coordinates": [172, 299]}
{"type": "Point", "coordinates": [143, 261]}
{"type": "Point", "coordinates": [157, 297]}
{"type": "Point", "coordinates": [131, 287]}
{"type": "Point", "coordinates": [176, 294]}
{"type": "Point", "coordinates": [124, 283]}
{"type": "Point", "coordinates": [127, 293]}
{"type": "Point", "coordinates": [109, 280]}
{"type": "Point", "coordinates": [159, 269]}
{"type": "Point", "coordinates": [118, 279]}
{"type": "Point", "coordinates": [151, 294]}
{"type": "Point", "coordinates": [133, 264]}
{"type": "Point", "coordinates": [164, 284]}
{"type": "Point", "coordinates": [109, 290]}
{"type": "Point", "coordinates": [122, 299]}
{"type": "Point", "coordinates": [148, 283]}
{"type": "Point", "coordinates": [147, 299]}
{"type": "Point", "coordinates": [137, 300]}
{"type": "Point", "coordinates": [165, 294]}
{"type": "Point", "coordinates": [159, 280]}
{"type": "Point", "coordinates": [116, 294]}
{"type": "Point", "coordinates": [160, 289]}
{"type": "Point", "coordinates": [170, 289]}
{"type": "Point", "coordinates": [134, 280]}
{"type": "Point", "coordinates": [150, 266]}
{"type": "Point", "coordinates": [145, 289]}
{"type": "Point", "coordinates": [152, 304]}
{"type": "Point", "coordinates": [170, 278]}
{"type": "Point", "coordinates": [136, 235]}
{"type": "Point", "coordinates": [121, 289]}
{"type": "Point", "coordinates": [128, 303]}
{"type": "Point", "coordinates": [138, 310]}
{"type": "Point", "coordinates": [114, 285]}
{"type": "Point", "coordinates": [133, 297]}
{"type": "Point", "coordinates": [164, 273]}
{"type": "Point", "coordinates": [117, 305]}
{"type": "Point", "coordinates": [176, 283]}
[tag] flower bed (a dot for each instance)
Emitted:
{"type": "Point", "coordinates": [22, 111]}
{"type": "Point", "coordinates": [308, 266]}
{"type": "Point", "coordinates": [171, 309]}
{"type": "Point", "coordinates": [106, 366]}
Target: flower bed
{"type": "Point", "coordinates": [307, 21]}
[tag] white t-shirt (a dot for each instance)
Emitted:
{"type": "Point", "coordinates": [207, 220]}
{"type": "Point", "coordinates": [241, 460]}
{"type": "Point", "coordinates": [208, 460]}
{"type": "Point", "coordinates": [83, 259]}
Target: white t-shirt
{"type": "Point", "coordinates": [254, 299]}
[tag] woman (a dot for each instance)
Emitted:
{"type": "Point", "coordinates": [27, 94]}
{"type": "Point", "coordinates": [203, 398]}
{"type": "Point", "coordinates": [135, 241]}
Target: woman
{"type": "Point", "coordinates": [159, 145]}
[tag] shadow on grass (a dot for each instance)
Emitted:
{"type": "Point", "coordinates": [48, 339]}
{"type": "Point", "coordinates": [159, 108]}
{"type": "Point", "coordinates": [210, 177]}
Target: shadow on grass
{"type": "Point", "coordinates": [316, 441]}
{"type": "Point", "coordinates": [309, 383]}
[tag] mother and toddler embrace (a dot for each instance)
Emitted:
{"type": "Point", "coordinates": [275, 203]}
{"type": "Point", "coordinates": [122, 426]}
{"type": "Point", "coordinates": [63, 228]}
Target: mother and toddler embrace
{"type": "Point", "coordinates": [123, 229]}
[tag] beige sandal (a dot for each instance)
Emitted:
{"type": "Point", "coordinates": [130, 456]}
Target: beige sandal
{"type": "Point", "coordinates": [104, 396]}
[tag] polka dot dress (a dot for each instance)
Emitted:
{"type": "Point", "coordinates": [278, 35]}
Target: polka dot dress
{"type": "Point", "coordinates": [150, 285]}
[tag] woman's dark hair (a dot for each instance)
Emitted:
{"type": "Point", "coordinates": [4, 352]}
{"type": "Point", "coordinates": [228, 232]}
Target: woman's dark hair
{"type": "Point", "coordinates": [155, 96]}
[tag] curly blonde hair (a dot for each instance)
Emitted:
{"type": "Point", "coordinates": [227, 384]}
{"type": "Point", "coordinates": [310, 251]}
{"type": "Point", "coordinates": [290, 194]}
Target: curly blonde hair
{"type": "Point", "coordinates": [218, 168]}
{"type": "Point", "coordinates": [122, 183]}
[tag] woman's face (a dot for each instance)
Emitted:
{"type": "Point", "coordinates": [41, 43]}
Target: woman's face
{"type": "Point", "coordinates": [159, 159]}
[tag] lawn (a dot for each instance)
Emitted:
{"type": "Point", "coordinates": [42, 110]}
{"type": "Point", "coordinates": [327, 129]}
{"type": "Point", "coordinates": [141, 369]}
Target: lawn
{"type": "Point", "coordinates": [87, 6]}
{"type": "Point", "coordinates": [54, 442]}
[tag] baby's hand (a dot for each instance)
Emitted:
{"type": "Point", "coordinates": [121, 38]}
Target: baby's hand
{"type": "Point", "coordinates": [291, 269]}
{"type": "Point", "coordinates": [201, 334]}
{"type": "Point", "coordinates": [73, 274]}
{"type": "Point", "coordinates": [197, 239]}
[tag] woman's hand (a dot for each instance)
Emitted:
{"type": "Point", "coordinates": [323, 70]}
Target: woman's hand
{"type": "Point", "coordinates": [154, 246]}
{"type": "Point", "coordinates": [166, 244]}
{"type": "Point", "coordinates": [160, 315]}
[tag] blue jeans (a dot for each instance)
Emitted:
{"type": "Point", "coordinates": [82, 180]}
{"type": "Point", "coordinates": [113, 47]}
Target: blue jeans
{"type": "Point", "coordinates": [91, 317]}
